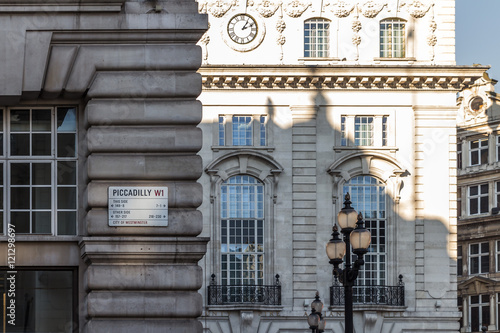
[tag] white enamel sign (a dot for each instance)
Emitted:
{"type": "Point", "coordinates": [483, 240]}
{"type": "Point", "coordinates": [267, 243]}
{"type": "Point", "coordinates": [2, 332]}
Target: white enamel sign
{"type": "Point", "coordinates": [138, 206]}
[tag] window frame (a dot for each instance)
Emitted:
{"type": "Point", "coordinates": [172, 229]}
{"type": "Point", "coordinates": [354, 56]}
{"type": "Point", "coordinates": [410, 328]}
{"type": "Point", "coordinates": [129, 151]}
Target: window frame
{"type": "Point", "coordinates": [258, 129]}
{"type": "Point", "coordinates": [59, 161]}
{"type": "Point", "coordinates": [226, 216]}
{"type": "Point", "coordinates": [497, 255]}
{"type": "Point", "coordinates": [497, 148]}
{"type": "Point", "coordinates": [481, 151]}
{"type": "Point", "coordinates": [377, 226]}
{"type": "Point", "coordinates": [351, 131]}
{"type": "Point", "coordinates": [480, 196]}
{"type": "Point", "coordinates": [483, 310]}
{"type": "Point", "coordinates": [460, 262]}
{"type": "Point", "coordinates": [391, 52]}
{"type": "Point", "coordinates": [313, 51]}
{"type": "Point", "coordinates": [480, 256]}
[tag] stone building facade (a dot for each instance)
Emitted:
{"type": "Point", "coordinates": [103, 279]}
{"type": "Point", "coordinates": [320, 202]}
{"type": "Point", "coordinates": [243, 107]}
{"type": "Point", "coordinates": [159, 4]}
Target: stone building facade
{"type": "Point", "coordinates": [96, 95]}
{"type": "Point", "coordinates": [478, 148]}
{"type": "Point", "coordinates": [305, 101]}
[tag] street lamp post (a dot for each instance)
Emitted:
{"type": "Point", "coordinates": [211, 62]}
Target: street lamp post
{"type": "Point", "coordinates": [315, 319]}
{"type": "Point", "coordinates": [355, 235]}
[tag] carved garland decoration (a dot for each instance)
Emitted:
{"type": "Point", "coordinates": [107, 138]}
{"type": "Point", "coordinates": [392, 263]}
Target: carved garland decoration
{"type": "Point", "coordinates": [416, 8]}
{"type": "Point", "coordinates": [217, 8]}
{"type": "Point", "coordinates": [266, 8]}
{"type": "Point", "coordinates": [370, 9]}
{"type": "Point", "coordinates": [280, 27]}
{"type": "Point", "coordinates": [340, 8]}
{"type": "Point", "coordinates": [295, 8]}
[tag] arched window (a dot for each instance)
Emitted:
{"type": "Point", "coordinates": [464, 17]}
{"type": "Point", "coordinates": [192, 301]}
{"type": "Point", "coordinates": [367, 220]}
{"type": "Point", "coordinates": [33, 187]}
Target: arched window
{"type": "Point", "coordinates": [368, 197]}
{"type": "Point", "coordinates": [316, 38]}
{"type": "Point", "coordinates": [392, 38]}
{"type": "Point", "coordinates": [242, 231]}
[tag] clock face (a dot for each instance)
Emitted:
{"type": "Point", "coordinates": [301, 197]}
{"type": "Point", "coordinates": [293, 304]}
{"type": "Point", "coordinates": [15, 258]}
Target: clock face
{"type": "Point", "coordinates": [242, 29]}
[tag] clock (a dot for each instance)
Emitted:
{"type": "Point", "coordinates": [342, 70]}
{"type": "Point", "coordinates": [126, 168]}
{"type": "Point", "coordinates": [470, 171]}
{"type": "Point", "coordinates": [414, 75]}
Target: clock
{"type": "Point", "coordinates": [243, 32]}
{"type": "Point", "coordinates": [242, 28]}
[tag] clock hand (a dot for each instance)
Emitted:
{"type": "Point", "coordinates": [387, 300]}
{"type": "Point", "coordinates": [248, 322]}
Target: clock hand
{"type": "Point", "coordinates": [245, 26]}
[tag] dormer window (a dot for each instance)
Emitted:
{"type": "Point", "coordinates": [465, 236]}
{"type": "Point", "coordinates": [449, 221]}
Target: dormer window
{"type": "Point", "coordinates": [316, 38]}
{"type": "Point", "coordinates": [392, 38]}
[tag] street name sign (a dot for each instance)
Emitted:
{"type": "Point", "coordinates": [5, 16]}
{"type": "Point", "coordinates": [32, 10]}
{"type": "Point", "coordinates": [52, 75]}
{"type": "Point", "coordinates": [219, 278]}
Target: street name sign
{"type": "Point", "coordinates": [138, 206]}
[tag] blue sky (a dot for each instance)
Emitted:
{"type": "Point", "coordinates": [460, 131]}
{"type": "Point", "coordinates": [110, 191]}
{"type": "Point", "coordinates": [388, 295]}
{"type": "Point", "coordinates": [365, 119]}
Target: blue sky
{"type": "Point", "coordinates": [478, 34]}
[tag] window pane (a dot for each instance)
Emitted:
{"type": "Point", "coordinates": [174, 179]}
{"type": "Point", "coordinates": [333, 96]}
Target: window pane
{"type": "Point", "coordinates": [41, 120]}
{"type": "Point", "coordinates": [20, 144]}
{"type": "Point", "coordinates": [66, 223]}
{"type": "Point", "coordinates": [66, 145]}
{"type": "Point", "coordinates": [66, 119]}
{"type": "Point", "coordinates": [41, 174]}
{"type": "Point", "coordinates": [41, 145]}
{"type": "Point", "coordinates": [41, 223]}
{"type": "Point", "coordinates": [66, 198]}
{"type": "Point", "coordinates": [66, 173]}
{"type": "Point", "coordinates": [20, 174]}
{"type": "Point", "coordinates": [22, 222]}
{"type": "Point", "coordinates": [20, 198]}
{"type": "Point", "coordinates": [41, 198]}
{"type": "Point", "coordinates": [48, 301]}
{"type": "Point", "coordinates": [20, 120]}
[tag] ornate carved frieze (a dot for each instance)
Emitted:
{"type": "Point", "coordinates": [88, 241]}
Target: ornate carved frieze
{"type": "Point", "coordinates": [217, 8]}
{"type": "Point", "coordinates": [266, 8]}
{"type": "Point", "coordinates": [340, 8]}
{"type": "Point", "coordinates": [371, 9]}
{"type": "Point", "coordinates": [295, 8]}
{"type": "Point", "coordinates": [416, 8]}
{"type": "Point", "coordinates": [324, 82]}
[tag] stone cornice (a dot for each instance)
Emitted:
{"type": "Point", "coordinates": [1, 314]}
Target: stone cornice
{"type": "Point", "coordinates": [340, 77]}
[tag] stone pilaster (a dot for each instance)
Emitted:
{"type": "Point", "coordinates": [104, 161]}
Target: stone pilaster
{"type": "Point", "coordinates": [304, 203]}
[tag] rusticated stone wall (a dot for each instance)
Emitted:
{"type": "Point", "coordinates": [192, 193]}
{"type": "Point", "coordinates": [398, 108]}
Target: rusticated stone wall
{"type": "Point", "coordinates": [131, 67]}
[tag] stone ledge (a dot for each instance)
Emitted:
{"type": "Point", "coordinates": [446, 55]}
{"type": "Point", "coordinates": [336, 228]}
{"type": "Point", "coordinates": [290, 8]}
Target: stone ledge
{"type": "Point", "coordinates": [115, 250]}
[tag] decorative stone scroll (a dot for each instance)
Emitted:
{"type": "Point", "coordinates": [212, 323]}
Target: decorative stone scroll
{"type": "Point", "coordinates": [370, 9]}
{"type": "Point", "coordinates": [204, 40]}
{"type": "Point", "coordinates": [416, 8]}
{"type": "Point", "coordinates": [217, 8]}
{"type": "Point", "coordinates": [266, 8]}
{"type": "Point", "coordinates": [340, 8]}
{"type": "Point", "coordinates": [295, 8]}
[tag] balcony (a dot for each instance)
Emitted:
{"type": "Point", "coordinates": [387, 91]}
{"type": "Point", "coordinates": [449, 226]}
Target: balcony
{"type": "Point", "coordinates": [371, 295]}
{"type": "Point", "coordinates": [244, 294]}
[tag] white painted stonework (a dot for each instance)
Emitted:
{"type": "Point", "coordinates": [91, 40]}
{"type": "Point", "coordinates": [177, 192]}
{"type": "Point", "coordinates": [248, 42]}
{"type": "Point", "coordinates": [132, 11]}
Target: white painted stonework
{"type": "Point", "coordinates": [309, 107]}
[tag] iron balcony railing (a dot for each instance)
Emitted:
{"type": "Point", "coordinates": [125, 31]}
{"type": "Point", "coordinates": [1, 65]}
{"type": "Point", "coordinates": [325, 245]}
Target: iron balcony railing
{"type": "Point", "coordinates": [370, 295]}
{"type": "Point", "coordinates": [244, 294]}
